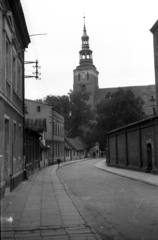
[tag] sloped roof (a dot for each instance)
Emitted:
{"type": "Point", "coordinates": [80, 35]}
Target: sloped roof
{"type": "Point", "coordinates": [38, 124]}
{"type": "Point", "coordinates": [83, 143]}
{"type": "Point", "coordinates": [76, 143]}
{"type": "Point", "coordinates": [67, 146]}
{"type": "Point", "coordinates": [145, 92]}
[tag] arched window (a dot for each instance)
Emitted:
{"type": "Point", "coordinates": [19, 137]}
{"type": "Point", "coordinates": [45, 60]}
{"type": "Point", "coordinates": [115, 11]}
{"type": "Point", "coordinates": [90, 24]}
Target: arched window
{"type": "Point", "coordinates": [83, 88]}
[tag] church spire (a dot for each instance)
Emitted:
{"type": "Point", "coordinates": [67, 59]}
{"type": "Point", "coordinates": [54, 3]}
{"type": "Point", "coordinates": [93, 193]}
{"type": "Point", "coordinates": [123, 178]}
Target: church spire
{"type": "Point", "coordinates": [85, 53]}
{"type": "Point", "coordinates": [84, 27]}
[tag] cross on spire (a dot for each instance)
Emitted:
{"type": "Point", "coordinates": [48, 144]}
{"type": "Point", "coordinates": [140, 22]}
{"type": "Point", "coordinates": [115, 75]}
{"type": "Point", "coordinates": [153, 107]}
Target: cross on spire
{"type": "Point", "coordinates": [84, 28]}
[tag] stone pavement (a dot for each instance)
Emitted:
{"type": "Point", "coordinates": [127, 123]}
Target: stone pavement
{"type": "Point", "coordinates": [138, 176]}
{"type": "Point", "coordinates": [40, 208]}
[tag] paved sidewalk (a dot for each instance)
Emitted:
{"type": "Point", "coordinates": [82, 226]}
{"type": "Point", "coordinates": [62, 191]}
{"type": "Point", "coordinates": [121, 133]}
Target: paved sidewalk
{"type": "Point", "coordinates": [138, 176]}
{"type": "Point", "coordinates": [40, 208]}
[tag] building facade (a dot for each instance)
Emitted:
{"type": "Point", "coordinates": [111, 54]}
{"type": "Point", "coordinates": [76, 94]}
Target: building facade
{"type": "Point", "coordinates": [14, 38]}
{"type": "Point", "coordinates": [135, 146]}
{"type": "Point", "coordinates": [75, 148]}
{"type": "Point", "coordinates": [54, 136]}
{"type": "Point", "coordinates": [154, 30]}
{"type": "Point", "coordinates": [85, 78]}
{"type": "Point", "coordinates": [35, 148]}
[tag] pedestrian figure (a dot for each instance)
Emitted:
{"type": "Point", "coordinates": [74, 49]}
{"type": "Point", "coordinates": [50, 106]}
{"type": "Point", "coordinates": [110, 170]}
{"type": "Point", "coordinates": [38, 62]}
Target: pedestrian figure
{"type": "Point", "coordinates": [58, 161]}
{"type": "Point", "coordinates": [94, 154]}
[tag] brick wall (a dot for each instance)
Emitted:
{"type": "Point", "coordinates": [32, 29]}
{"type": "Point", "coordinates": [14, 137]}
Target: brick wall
{"type": "Point", "coordinates": [135, 146]}
{"type": "Point", "coordinates": [121, 149]}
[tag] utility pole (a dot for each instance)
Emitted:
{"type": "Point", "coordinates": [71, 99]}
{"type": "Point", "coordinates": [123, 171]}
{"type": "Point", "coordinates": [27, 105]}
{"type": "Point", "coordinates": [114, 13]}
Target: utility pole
{"type": "Point", "coordinates": [36, 73]}
{"type": "Point", "coordinates": [24, 106]}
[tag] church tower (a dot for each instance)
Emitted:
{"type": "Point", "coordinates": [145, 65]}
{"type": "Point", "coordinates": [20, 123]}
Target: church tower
{"type": "Point", "coordinates": [86, 75]}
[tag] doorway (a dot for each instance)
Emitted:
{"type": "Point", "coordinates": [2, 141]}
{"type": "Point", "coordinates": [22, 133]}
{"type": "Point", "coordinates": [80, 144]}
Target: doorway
{"type": "Point", "coordinates": [149, 156]}
{"type": "Point", "coordinates": [6, 153]}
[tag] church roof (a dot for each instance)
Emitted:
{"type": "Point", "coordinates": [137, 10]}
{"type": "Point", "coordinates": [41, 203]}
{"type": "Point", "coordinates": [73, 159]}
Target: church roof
{"type": "Point", "coordinates": [145, 92]}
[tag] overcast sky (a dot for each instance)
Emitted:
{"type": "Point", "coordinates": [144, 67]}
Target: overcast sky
{"type": "Point", "coordinates": [119, 35]}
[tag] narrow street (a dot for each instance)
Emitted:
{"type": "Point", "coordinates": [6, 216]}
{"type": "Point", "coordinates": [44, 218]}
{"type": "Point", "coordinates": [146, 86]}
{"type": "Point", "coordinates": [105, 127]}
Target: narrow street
{"type": "Point", "coordinates": [116, 207]}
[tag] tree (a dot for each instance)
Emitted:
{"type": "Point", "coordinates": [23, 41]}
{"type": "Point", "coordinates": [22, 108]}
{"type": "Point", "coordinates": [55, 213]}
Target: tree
{"type": "Point", "coordinates": [75, 109]}
{"type": "Point", "coordinates": [117, 110]}
{"type": "Point", "coordinates": [80, 114]}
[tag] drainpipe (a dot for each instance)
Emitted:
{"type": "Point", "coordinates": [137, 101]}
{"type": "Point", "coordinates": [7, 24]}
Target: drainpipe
{"type": "Point", "coordinates": [24, 140]}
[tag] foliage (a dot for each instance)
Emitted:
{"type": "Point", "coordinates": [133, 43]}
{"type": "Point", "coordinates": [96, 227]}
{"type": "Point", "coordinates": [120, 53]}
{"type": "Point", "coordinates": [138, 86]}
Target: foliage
{"type": "Point", "coordinates": [117, 110]}
{"type": "Point", "coordinates": [75, 109]}
{"type": "Point", "coordinates": [80, 113]}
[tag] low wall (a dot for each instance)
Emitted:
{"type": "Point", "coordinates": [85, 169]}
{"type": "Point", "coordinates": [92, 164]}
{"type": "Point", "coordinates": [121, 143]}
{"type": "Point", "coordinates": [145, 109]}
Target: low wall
{"type": "Point", "coordinates": [135, 146]}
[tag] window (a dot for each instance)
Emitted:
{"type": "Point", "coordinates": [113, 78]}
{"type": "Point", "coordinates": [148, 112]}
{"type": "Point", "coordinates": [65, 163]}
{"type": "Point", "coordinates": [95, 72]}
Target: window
{"type": "Point", "coordinates": [25, 109]}
{"type": "Point", "coordinates": [20, 134]}
{"type": "Point", "coordinates": [83, 74]}
{"type": "Point", "coordinates": [14, 140]}
{"type": "Point", "coordinates": [87, 76]}
{"type": "Point", "coordinates": [20, 140]}
{"type": "Point", "coordinates": [6, 147]}
{"type": "Point", "coordinates": [19, 85]}
{"type": "Point", "coordinates": [58, 130]}
{"type": "Point", "coordinates": [7, 61]}
{"type": "Point", "coordinates": [38, 108]}
{"type": "Point", "coordinates": [83, 88]}
{"type": "Point", "coordinates": [53, 129]}
{"type": "Point", "coordinates": [14, 70]}
{"type": "Point", "coordinates": [78, 77]}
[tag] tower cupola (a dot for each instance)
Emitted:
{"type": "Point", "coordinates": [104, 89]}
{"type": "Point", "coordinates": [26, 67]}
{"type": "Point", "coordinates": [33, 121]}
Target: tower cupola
{"type": "Point", "coordinates": [85, 53]}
